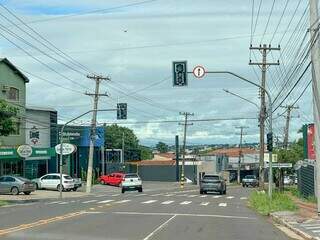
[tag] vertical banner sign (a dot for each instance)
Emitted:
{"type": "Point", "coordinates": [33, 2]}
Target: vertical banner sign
{"type": "Point", "coordinates": [310, 142]}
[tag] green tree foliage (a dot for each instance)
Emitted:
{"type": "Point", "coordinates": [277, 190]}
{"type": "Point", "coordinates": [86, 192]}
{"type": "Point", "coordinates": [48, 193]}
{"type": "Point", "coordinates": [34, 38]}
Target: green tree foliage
{"type": "Point", "coordinates": [162, 147]}
{"type": "Point", "coordinates": [7, 121]}
{"type": "Point", "coordinates": [293, 154]}
{"type": "Point", "coordinates": [113, 139]}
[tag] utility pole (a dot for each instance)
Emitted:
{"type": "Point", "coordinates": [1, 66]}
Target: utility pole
{"type": "Point", "coordinates": [315, 53]}
{"type": "Point", "coordinates": [264, 50]}
{"type": "Point", "coordinates": [95, 96]}
{"type": "Point", "coordinates": [240, 152]}
{"type": "Point", "coordinates": [185, 124]}
{"type": "Point", "coordinates": [122, 155]}
{"type": "Point", "coordinates": [177, 157]}
{"type": "Point", "coordinates": [103, 154]}
{"type": "Point", "coordinates": [286, 130]}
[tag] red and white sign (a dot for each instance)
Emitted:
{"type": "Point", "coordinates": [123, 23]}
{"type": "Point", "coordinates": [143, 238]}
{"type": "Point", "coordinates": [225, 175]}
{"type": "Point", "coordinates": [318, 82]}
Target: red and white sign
{"type": "Point", "coordinates": [199, 71]}
{"type": "Point", "coordinates": [310, 142]}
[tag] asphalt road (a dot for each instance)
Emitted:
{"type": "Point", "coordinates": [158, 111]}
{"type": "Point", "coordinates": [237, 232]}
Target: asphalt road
{"type": "Point", "coordinates": [162, 212]}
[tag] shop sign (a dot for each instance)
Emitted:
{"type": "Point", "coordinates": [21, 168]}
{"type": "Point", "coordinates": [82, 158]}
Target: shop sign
{"type": "Point", "coordinates": [66, 149]}
{"type": "Point", "coordinates": [24, 151]}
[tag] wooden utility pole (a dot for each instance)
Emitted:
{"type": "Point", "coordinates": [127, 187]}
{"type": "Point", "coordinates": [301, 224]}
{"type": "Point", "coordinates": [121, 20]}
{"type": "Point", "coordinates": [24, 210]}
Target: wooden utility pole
{"type": "Point", "coordinates": [185, 124]}
{"type": "Point", "coordinates": [240, 153]}
{"type": "Point", "coordinates": [264, 50]}
{"type": "Point", "coordinates": [286, 130]}
{"type": "Point", "coordinates": [95, 96]}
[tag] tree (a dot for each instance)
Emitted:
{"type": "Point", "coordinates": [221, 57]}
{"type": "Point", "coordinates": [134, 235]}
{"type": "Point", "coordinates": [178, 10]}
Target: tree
{"type": "Point", "coordinates": [7, 121]}
{"type": "Point", "coordinates": [132, 149]}
{"type": "Point", "coordinates": [162, 147]}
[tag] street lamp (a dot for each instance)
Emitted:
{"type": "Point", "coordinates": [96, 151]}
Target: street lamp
{"type": "Point", "coordinates": [61, 142]}
{"type": "Point", "coordinates": [269, 114]}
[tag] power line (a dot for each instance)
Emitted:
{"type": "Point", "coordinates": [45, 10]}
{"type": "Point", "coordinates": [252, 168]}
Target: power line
{"type": "Point", "coordinates": [265, 30]}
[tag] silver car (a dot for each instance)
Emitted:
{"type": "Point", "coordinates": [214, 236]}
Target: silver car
{"type": "Point", "coordinates": [15, 185]}
{"type": "Point", "coordinates": [213, 183]}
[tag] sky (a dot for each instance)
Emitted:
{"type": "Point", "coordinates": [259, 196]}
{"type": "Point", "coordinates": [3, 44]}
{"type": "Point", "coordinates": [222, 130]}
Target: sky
{"type": "Point", "coordinates": [134, 43]}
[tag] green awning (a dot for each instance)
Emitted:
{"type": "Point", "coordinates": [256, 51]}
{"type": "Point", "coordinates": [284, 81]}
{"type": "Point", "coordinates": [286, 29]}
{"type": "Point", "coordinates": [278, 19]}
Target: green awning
{"type": "Point", "coordinates": [11, 153]}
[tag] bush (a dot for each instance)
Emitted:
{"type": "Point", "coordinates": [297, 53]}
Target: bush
{"type": "Point", "coordinates": [262, 204]}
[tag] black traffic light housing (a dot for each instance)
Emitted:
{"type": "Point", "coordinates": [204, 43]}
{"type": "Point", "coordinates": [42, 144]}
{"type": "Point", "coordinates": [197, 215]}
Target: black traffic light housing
{"type": "Point", "coordinates": [180, 74]}
{"type": "Point", "coordinates": [121, 111]}
{"type": "Point", "coordinates": [269, 142]}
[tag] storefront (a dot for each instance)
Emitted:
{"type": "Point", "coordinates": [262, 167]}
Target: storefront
{"type": "Point", "coordinates": [34, 166]}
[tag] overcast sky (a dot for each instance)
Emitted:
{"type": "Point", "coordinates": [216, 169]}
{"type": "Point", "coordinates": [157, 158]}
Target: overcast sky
{"type": "Point", "coordinates": [135, 41]}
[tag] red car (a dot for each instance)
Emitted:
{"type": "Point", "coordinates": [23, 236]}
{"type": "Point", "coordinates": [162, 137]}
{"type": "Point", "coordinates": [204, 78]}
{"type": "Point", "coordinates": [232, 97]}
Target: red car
{"type": "Point", "coordinates": [113, 179]}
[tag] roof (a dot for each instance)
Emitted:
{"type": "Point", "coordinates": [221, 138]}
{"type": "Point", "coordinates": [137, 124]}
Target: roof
{"type": "Point", "coordinates": [233, 152]}
{"type": "Point", "coordinates": [155, 162]}
{"type": "Point", "coordinates": [41, 108]}
{"type": "Point", "coordinates": [14, 69]}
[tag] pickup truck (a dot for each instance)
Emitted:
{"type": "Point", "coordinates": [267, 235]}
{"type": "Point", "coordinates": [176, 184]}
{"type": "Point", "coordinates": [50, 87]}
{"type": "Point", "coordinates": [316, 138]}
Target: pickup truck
{"type": "Point", "coordinates": [250, 180]}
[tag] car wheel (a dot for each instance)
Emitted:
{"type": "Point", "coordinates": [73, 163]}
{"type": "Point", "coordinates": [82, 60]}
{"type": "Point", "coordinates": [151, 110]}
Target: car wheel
{"type": "Point", "coordinates": [27, 193]}
{"type": "Point", "coordinates": [60, 188]}
{"type": "Point", "coordinates": [201, 192]}
{"type": "Point", "coordinates": [74, 189]}
{"type": "Point", "coordinates": [122, 190]}
{"type": "Point", "coordinates": [14, 191]}
{"type": "Point", "coordinates": [140, 189]}
{"type": "Point", "coordinates": [225, 192]}
{"type": "Point", "coordinates": [68, 190]}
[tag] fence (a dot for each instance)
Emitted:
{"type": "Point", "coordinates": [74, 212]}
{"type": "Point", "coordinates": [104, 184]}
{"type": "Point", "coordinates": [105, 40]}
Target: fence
{"type": "Point", "coordinates": [306, 177]}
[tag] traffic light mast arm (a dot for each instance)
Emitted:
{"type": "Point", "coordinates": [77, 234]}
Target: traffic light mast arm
{"type": "Point", "coordinates": [269, 115]}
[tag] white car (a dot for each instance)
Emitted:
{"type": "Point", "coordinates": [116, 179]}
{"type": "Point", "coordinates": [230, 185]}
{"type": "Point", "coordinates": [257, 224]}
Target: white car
{"type": "Point", "coordinates": [287, 180]}
{"type": "Point", "coordinates": [52, 181]}
{"type": "Point", "coordinates": [131, 181]}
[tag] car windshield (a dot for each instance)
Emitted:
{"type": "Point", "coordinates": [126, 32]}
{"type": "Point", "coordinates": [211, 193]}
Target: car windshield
{"type": "Point", "coordinates": [250, 177]}
{"type": "Point", "coordinates": [211, 177]}
{"type": "Point", "coordinates": [131, 175]}
{"type": "Point", "coordinates": [67, 177]}
{"type": "Point", "coordinates": [23, 179]}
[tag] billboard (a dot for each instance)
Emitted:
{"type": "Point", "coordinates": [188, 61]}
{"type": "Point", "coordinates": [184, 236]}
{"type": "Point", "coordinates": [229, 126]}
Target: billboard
{"type": "Point", "coordinates": [310, 142]}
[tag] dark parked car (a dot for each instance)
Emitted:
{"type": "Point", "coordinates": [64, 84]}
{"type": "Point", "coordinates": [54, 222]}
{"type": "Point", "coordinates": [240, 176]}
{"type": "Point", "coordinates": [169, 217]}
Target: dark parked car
{"type": "Point", "coordinates": [250, 180]}
{"type": "Point", "coordinates": [213, 183]}
{"type": "Point", "coordinates": [15, 185]}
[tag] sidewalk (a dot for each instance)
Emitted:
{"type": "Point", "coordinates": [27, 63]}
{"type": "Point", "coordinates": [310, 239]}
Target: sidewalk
{"type": "Point", "coordinates": [305, 222]}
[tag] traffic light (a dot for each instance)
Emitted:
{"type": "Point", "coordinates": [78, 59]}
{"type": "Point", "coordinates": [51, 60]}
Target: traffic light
{"type": "Point", "coordinates": [269, 142]}
{"type": "Point", "coordinates": [121, 111]}
{"type": "Point", "coordinates": [180, 74]}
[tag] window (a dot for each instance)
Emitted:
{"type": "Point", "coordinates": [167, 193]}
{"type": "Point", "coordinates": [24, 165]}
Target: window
{"type": "Point", "coordinates": [67, 177]}
{"type": "Point", "coordinates": [211, 177]}
{"type": "Point", "coordinates": [47, 177]}
{"type": "Point", "coordinates": [55, 177]}
{"type": "Point", "coordinates": [13, 94]}
{"type": "Point", "coordinates": [9, 179]}
{"type": "Point", "coordinates": [131, 175]}
{"type": "Point", "coordinates": [1, 179]}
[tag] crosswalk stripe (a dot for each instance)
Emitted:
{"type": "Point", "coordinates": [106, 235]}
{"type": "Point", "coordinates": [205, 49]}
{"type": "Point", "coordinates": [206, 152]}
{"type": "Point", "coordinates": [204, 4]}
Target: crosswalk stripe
{"type": "Point", "coordinates": [185, 202]}
{"type": "Point", "coordinates": [90, 201]}
{"type": "Point", "coordinates": [168, 195]}
{"type": "Point", "coordinates": [124, 201]}
{"type": "Point", "coordinates": [53, 202]}
{"type": "Point", "coordinates": [230, 197]}
{"type": "Point", "coordinates": [191, 196]}
{"type": "Point", "coordinates": [115, 195]}
{"type": "Point", "coordinates": [149, 201]}
{"type": "Point", "coordinates": [243, 198]}
{"type": "Point", "coordinates": [204, 203]}
{"type": "Point", "coordinates": [62, 203]}
{"type": "Point", "coordinates": [154, 195]}
{"type": "Point", "coordinates": [222, 204]}
{"type": "Point", "coordinates": [217, 196]}
{"type": "Point", "coordinates": [141, 194]}
{"type": "Point", "coordinates": [203, 196]}
{"type": "Point", "coordinates": [314, 227]}
{"type": "Point", "coordinates": [316, 231]}
{"type": "Point", "coordinates": [310, 224]}
{"type": "Point", "coordinates": [106, 201]}
{"type": "Point", "coordinates": [167, 202]}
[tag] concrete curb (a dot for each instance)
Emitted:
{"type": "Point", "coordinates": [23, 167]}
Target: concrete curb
{"type": "Point", "coordinates": [282, 222]}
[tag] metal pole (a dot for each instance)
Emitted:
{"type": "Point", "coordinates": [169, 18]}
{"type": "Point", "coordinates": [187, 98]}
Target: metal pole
{"type": "Point", "coordinates": [270, 152]}
{"type": "Point", "coordinates": [184, 149]}
{"type": "Point", "coordinates": [177, 158]}
{"type": "Point", "coordinates": [122, 150]}
{"type": "Point", "coordinates": [315, 53]}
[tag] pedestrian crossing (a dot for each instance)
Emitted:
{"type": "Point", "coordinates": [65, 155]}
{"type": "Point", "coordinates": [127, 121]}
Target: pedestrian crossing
{"type": "Point", "coordinates": [312, 227]}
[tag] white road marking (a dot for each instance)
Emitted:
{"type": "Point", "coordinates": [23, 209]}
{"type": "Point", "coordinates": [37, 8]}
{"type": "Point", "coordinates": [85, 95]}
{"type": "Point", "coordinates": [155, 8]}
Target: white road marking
{"type": "Point", "coordinates": [154, 195]}
{"type": "Point", "coordinates": [167, 202]}
{"type": "Point", "coordinates": [314, 227]}
{"type": "Point", "coordinates": [191, 196]}
{"type": "Point", "coordinates": [222, 204]}
{"type": "Point", "coordinates": [159, 228]}
{"type": "Point", "coordinates": [141, 194]}
{"type": "Point", "coordinates": [243, 198]}
{"type": "Point", "coordinates": [203, 196]}
{"type": "Point", "coordinates": [316, 231]}
{"type": "Point", "coordinates": [106, 201]}
{"type": "Point", "coordinates": [310, 224]}
{"type": "Point", "coordinates": [90, 201]}
{"type": "Point", "coordinates": [149, 201]}
{"type": "Point", "coordinates": [62, 203]}
{"type": "Point", "coordinates": [185, 202]}
{"type": "Point", "coordinates": [73, 201]}
{"type": "Point", "coordinates": [204, 203]}
{"type": "Point", "coordinates": [230, 197]}
{"type": "Point", "coordinates": [124, 201]}
{"type": "Point", "coordinates": [217, 196]}
{"type": "Point", "coordinates": [53, 202]}
{"type": "Point", "coordinates": [115, 195]}
{"type": "Point", "coordinates": [184, 214]}
{"type": "Point", "coordinates": [103, 195]}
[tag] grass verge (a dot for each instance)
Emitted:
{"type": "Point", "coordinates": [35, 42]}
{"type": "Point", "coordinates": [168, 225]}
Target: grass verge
{"type": "Point", "coordinates": [293, 190]}
{"type": "Point", "coordinates": [2, 203]}
{"type": "Point", "coordinates": [262, 204]}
